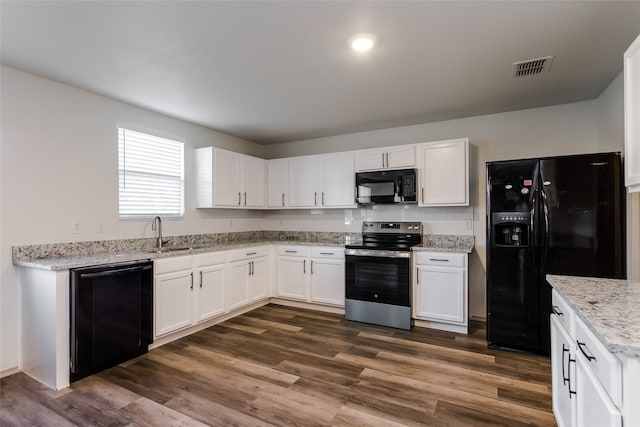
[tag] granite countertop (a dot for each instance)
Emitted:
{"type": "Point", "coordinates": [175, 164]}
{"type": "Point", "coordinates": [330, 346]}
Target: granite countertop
{"type": "Point", "coordinates": [446, 243]}
{"type": "Point", "coordinates": [609, 307]}
{"type": "Point", "coordinates": [65, 263]}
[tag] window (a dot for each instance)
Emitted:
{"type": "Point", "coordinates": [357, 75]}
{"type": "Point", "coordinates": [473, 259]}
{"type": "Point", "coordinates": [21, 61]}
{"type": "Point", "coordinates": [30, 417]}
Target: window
{"type": "Point", "coordinates": [151, 175]}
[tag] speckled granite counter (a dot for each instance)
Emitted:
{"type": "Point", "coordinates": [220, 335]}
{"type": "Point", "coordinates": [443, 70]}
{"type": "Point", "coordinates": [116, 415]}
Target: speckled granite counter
{"type": "Point", "coordinates": [63, 256]}
{"type": "Point", "coordinates": [609, 307]}
{"type": "Point", "coordinates": [446, 243]}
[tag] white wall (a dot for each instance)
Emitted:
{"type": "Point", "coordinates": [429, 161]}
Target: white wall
{"type": "Point", "coordinates": [59, 162]}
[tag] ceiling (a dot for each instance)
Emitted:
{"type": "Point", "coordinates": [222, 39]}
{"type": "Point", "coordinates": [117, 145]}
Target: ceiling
{"type": "Point", "coordinates": [278, 71]}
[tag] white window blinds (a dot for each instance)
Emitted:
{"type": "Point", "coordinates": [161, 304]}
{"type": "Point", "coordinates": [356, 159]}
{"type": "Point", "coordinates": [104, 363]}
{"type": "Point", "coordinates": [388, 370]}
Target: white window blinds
{"type": "Point", "coordinates": [151, 175]}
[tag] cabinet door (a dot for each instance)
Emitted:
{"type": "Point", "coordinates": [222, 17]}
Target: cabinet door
{"type": "Point", "coordinates": [327, 281]}
{"type": "Point", "coordinates": [227, 186]}
{"type": "Point", "coordinates": [254, 182]}
{"type": "Point", "coordinates": [632, 115]}
{"type": "Point", "coordinates": [563, 374]}
{"type": "Point", "coordinates": [440, 294]}
{"type": "Point", "coordinates": [445, 173]}
{"type": "Point", "coordinates": [337, 180]}
{"type": "Point", "coordinates": [370, 160]}
{"type": "Point", "coordinates": [303, 181]}
{"type": "Point", "coordinates": [258, 282]}
{"type": "Point", "coordinates": [173, 308]}
{"type": "Point", "coordinates": [292, 273]}
{"type": "Point", "coordinates": [401, 157]}
{"type": "Point", "coordinates": [211, 290]}
{"type": "Point", "coordinates": [594, 407]}
{"type": "Point", "coordinates": [238, 288]}
{"type": "Point", "coordinates": [278, 183]}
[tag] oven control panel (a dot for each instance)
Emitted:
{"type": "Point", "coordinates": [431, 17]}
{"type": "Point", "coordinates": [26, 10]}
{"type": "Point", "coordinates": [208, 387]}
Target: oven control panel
{"type": "Point", "coordinates": [392, 227]}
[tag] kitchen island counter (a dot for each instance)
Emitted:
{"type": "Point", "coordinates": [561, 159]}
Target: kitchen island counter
{"type": "Point", "coordinates": [609, 307]}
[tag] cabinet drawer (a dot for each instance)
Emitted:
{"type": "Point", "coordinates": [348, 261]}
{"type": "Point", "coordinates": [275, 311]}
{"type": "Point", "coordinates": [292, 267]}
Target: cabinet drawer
{"type": "Point", "coordinates": [327, 252]}
{"type": "Point", "coordinates": [443, 259]}
{"type": "Point", "coordinates": [171, 264]}
{"type": "Point", "coordinates": [606, 367]}
{"type": "Point", "coordinates": [293, 250]}
{"type": "Point", "coordinates": [247, 253]}
{"type": "Point", "coordinates": [211, 258]}
{"type": "Point", "coordinates": [563, 312]}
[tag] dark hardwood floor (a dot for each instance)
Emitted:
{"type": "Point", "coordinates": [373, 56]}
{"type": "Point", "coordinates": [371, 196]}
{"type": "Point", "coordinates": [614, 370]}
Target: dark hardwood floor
{"type": "Point", "coordinates": [286, 366]}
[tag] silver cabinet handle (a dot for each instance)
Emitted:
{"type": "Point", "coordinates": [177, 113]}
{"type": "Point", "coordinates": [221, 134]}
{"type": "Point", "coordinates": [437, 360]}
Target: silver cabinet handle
{"type": "Point", "coordinates": [326, 253]}
{"type": "Point", "coordinates": [239, 199]}
{"type": "Point", "coordinates": [387, 155]}
{"type": "Point", "coordinates": [191, 280]}
{"type": "Point", "coordinates": [323, 198]}
{"type": "Point", "coordinates": [304, 266]}
{"type": "Point", "coordinates": [251, 253]}
{"type": "Point", "coordinates": [311, 266]}
{"type": "Point", "coordinates": [291, 252]}
{"type": "Point", "coordinates": [417, 275]}
{"type": "Point", "coordinates": [200, 279]}
{"type": "Point", "coordinates": [438, 260]}
{"type": "Point", "coordinates": [282, 199]}
{"type": "Point", "coordinates": [315, 198]}
{"type": "Point", "coordinates": [245, 198]}
{"type": "Point", "coordinates": [422, 194]}
{"type": "Point", "coordinates": [382, 159]}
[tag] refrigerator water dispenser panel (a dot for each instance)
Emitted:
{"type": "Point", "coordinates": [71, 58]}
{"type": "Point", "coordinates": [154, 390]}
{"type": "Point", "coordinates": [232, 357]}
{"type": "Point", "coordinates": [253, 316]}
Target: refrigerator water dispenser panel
{"type": "Point", "coordinates": [511, 229]}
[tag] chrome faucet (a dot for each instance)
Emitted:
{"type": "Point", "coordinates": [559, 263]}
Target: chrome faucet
{"type": "Point", "coordinates": [157, 224]}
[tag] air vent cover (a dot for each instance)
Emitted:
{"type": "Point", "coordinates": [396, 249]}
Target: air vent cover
{"type": "Point", "coordinates": [531, 66]}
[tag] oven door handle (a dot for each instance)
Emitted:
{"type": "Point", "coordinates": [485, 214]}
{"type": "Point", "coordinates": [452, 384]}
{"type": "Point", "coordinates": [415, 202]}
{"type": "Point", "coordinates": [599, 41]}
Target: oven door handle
{"type": "Point", "coordinates": [377, 253]}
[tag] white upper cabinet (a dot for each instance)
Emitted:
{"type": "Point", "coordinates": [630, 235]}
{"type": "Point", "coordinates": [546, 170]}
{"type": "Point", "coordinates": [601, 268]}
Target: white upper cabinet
{"type": "Point", "coordinates": [400, 157]}
{"type": "Point", "coordinates": [337, 180]}
{"type": "Point", "coordinates": [228, 179]}
{"type": "Point", "coordinates": [303, 182]}
{"type": "Point", "coordinates": [444, 173]}
{"type": "Point", "coordinates": [632, 115]}
{"type": "Point", "coordinates": [277, 183]}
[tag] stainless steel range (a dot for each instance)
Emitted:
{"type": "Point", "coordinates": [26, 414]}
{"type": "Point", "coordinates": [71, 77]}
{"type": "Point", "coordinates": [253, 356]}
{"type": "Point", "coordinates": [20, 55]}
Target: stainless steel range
{"type": "Point", "coordinates": [378, 274]}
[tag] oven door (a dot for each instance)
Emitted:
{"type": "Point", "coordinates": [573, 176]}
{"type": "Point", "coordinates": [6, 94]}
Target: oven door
{"type": "Point", "coordinates": [378, 276]}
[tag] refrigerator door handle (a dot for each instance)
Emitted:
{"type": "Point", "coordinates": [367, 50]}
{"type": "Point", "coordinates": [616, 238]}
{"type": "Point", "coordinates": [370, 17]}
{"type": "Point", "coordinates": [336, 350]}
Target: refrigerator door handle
{"type": "Point", "coordinates": [545, 247]}
{"type": "Point", "coordinates": [534, 229]}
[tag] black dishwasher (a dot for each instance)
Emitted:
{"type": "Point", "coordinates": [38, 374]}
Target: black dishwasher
{"type": "Point", "coordinates": [111, 314]}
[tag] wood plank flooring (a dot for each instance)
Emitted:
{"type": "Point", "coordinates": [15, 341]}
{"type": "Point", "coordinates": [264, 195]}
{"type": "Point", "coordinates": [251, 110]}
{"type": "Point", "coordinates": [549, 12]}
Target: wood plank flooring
{"type": "Point", "coordinates": [287, 366]}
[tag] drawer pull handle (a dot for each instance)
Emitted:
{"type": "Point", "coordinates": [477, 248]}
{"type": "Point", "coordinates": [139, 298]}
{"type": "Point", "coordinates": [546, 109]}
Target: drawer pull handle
{"type": "Point", "coordinates": [251, 253]}
{"type": "Point", "coordinates": [557, 311]}
{"type": "Point", "coordinates": [326, 253]}
{"type": "Point", "coordinates": [291, 252]}
{"type": "Point", "coordinates": [580, 345]}
{"type": "Point", "coordinates": [438, 259]}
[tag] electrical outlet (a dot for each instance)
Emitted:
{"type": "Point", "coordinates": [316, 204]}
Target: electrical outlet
{"type": "Point", "coordinates": [75, 226]}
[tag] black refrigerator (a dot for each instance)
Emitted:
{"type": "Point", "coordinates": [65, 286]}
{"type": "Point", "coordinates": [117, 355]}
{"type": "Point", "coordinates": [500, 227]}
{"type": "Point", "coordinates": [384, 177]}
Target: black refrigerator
{"type": "Point", "coordinates": [557, 215]}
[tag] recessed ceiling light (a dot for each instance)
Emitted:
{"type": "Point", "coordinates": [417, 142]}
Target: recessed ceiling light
{"type": "Point", "coordinates": [362, 42]}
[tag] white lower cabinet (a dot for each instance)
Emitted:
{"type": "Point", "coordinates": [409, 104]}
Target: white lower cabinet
{"type": "Point", "coordinates": [189, 290]}
{"type": "Point", "coordinates": [311, 274]}
{"type": "Point", "coordinates": [327, 276]}
{"type": "Point", "coordinates": [440, 290]}
{"type": "Point", "coordinates": [211, 287]}
{"type": "Point", "coordinates": [586, 377]}
{"type": "Point", "coordinates": [173, 294]}
{"type": "Point", "coordinates": [248, 276]}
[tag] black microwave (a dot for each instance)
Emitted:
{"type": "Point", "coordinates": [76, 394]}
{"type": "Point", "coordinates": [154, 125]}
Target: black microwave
{"type": "Point", "coordinates": [386, 187]}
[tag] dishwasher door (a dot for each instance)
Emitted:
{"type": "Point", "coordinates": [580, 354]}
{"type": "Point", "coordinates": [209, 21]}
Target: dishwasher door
{"type": "Point", "coordinates": [111, 315]}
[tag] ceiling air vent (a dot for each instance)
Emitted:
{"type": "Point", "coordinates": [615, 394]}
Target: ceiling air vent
{"type": "Point", "coordinates": [531, 66]}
